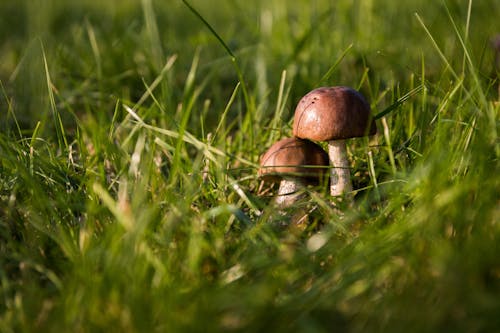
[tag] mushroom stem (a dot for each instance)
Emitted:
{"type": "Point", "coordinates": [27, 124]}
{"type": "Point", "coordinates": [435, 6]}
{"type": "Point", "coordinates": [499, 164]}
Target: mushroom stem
{"type": "Point", "coordinates": [340, 174]}
{"type": "Point", "coordinates": [288, 192]}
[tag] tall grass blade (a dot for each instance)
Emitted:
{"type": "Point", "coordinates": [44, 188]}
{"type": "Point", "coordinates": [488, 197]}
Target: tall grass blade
{"type": "Point", "coordinates": [280, 108]}
{"type": "Point", "coordinates": [150, 88]}
{"type": "Point", "coordinates": [436, 46]}
{"type": "Point", "coordinates": [10, 110]}
{"type": "Point", "coordinates": [400, 101]}
{"type": "Point", "coordinates": [58, 123]}
{"type": "Point", "coordinates": [212, 30]}
{"type": "Point", "coordinates": [186, 108]}
{"type": "Point", "coordinates": [467, 28]}
{"type": "Point", "coordinates": [34, 137]}
{"type": "Point", "coordinates": [477, 85]}
{"type": "Point", "coordinates": [153, 34]}
{"type": "Point", "coordinates": [248, 101]}
{"type": "Point", "coordinates": [118, 212]}
{"type": "Point", "coordinates": [222, 119]}
{"type": "Point", "coordinates": [332, 68]}
{"type": "Point", "coordinates": [95, 48]}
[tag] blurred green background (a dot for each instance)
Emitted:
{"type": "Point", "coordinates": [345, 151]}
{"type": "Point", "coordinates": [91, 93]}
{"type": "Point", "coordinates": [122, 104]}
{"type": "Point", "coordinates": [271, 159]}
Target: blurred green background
{"type": "Point", "coordinates": [97, 50]}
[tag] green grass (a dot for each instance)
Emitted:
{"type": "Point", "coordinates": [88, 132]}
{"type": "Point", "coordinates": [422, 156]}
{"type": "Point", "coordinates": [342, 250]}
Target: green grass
{"type": "Point", "coordinates": [129, 143]}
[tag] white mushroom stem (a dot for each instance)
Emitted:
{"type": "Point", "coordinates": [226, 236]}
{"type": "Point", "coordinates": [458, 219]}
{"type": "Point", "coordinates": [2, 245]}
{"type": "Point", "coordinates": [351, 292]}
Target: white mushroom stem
{"type": "Point", "coordinates": [340, 173]}
{"type": "Point", "coordinates": [288, 192]}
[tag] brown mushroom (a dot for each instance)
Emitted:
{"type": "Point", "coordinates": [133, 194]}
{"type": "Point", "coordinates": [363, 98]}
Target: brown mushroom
{"type": "Point", "coordinates": [294, 163]}
{"type": "Point", "coordinates": [334, 114]}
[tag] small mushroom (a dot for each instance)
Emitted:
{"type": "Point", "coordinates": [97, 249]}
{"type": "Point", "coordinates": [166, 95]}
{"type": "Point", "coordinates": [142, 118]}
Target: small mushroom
{"type": "Point", "coordinates": [294, 163]}
{"type": "Point", "coordinates": [334, 114]}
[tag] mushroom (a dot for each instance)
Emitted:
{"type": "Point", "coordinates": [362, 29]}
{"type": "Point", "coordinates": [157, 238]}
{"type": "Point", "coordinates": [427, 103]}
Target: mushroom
{"type": "Point", "coordinates": [294, 163]}
{"type": "Point", "coordinates": [334, 114]}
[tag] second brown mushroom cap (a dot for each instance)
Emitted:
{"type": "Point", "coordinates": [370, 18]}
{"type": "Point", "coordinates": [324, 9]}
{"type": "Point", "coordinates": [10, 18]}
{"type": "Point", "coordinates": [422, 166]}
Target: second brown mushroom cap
{"type": "Point", "coordinates": [294, 163]}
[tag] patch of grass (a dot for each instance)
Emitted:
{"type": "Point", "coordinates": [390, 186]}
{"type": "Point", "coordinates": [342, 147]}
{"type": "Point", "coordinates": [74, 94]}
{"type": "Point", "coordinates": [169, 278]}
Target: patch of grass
{"type": "Point", "coordinates": [128, 167]}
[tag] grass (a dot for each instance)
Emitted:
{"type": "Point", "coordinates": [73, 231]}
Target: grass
{"type": "Point", "coordinates": [130, 139]}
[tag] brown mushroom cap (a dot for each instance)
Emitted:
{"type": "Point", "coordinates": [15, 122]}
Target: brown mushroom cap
{"type": "Point", "coordinates": [293, 157]}
{"type": "Point", "coordinates": [333, 113]}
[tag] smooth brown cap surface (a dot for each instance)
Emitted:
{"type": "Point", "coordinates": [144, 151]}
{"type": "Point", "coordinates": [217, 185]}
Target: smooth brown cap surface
{"type": "Point", "coordinates": [333, 113]}
{"type": "Point", "coordinates": [293, 157]}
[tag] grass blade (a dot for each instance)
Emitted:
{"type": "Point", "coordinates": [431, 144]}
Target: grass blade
{"type": "Point", "coordinates": [248, 101]}
{"type": "Point", "coordinates": [436, 46]}
{"type": "Point", "coordinates": [399, 102]}
{"type": "Point", "coordinates": [330, 71]}
{"type": "Point", "coordinates": [58, 123]}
